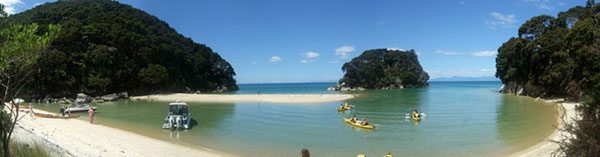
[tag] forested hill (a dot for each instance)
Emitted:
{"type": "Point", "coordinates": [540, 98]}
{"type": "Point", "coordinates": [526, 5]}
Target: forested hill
{"type": "Point", "coordinates": [384, 68]}
{"type": "Point", "coordinates": [553, 56]}
{"type": "Point", "coordinates": [105, 46]}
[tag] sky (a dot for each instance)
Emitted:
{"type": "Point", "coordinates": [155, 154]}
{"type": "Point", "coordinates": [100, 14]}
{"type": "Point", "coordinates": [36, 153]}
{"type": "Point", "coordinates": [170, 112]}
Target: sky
{"type": "Point", "coordinates": [277, 41]}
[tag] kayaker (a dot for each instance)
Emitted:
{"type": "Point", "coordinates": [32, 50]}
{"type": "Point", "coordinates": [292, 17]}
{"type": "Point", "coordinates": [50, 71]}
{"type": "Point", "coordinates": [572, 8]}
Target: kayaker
{"type": "Point", "coordinates": [416, 114]}
{"type": "Point", "coordinates": [353, 119]}
{"type": "Point", "coordinates": [62, 110]}
{"type": "Point", "coordinates": [365, 121]}
{"type": "Point", "coordinates": [346, 105]}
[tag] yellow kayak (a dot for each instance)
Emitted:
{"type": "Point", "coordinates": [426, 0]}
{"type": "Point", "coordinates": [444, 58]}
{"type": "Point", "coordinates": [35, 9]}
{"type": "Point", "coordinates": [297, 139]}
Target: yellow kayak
{"type": "Point", "coordinates": [416, 118]}
{"type": "Point", "coordinates": [344, 108]}
{"type": "Point", "coordinates": [357, 124]}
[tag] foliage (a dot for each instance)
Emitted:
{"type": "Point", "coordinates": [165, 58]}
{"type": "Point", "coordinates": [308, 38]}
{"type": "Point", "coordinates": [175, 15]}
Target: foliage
{"type": "Point", "coordinates": [106, 45]}
{"type": "Point", "coordinates": [383, 68]}
{"type": "Point", "coordinates": [20, 47]}
{"type": "Point", "coordinates": [560, 57]}
{"type": "Point", "coordinates": [20, 149]}
{"type": "Point", "coordinates": [153, 74]}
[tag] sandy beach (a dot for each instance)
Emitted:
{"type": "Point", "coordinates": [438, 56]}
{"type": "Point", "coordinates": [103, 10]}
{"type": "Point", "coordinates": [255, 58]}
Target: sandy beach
{"type": "Point", "coordinates": [230, 98]}
{"type": "Point", "coordinates": [547, 147]}
{"type": "Point", "coordinates": [75, 137]}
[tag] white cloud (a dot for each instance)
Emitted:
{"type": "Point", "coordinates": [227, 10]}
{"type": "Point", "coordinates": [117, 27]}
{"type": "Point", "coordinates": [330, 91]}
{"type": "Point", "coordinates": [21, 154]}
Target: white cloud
{"type": "Point", "coordinates": [310, 55]}
{"type": "Point", "coordinates": [36, 4]}
{"type": "Point", "coordinates": [501, 20]}
{"type": "Point", "coordinates": [448, 53]}
{"type": "Point", "coordinates": [395, 49]}
{"type": "Point", "coordinates": [9, 5]}
{"type": "Point", "coordinates": [275, 59]}
{"type": "Point", "coordinates": [344, 51]}
{"type": "Point", "coordinates": [540, 4]}
{"type": "Point", "coordinates": [486, 53]}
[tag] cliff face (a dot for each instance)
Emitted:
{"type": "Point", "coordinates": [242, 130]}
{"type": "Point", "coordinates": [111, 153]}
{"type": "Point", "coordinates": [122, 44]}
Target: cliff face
{"type": "Point", "coordinates": [107, 47]}
{"type": "Point", "coordinates": [383, 69]}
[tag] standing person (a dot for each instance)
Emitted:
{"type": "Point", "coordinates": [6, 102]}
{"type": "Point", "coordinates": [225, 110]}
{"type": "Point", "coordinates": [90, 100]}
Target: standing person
{"type": "Point", "coordinates": [305, 153]}
{"type": "Point", "coordinates": [91, 115]}
{"type": "Point", "coordinates": [62, 110]}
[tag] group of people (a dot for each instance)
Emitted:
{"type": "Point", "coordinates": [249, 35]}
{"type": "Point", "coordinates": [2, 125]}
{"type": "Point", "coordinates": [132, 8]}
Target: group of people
{"type": "Point", "coordinates": [345, 106]}
{"type": "Point", "coordinates": [363, 122]}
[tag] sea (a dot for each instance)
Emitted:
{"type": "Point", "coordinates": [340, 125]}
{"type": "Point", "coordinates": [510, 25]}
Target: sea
{"type": "Point", "coordinates": [462, 119]}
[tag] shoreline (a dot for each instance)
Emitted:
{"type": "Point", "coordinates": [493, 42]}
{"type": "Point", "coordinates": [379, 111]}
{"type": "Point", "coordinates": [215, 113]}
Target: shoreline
{"type": "Point", "coordinates": [567, 114]}
{"type": "Point", "coordinates": [76, 137]}
{"type": "Point", "coordinates": [232, 98]}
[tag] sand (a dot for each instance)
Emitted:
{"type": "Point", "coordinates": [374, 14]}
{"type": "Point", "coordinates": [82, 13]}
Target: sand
{"type": "Point", "coordinates": [231, 98]}
{"type": "Point", "coordinates": [547, 147]}
{"type": "Point", "coordinates": [75, 137]}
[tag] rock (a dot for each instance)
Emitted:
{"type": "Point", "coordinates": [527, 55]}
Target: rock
{"type": "Point", "coordinates": [123, 95]}
{"type": "Point", "coordinates": [83, 98]}
{"type": "Point", "coordinates": [110, 97]}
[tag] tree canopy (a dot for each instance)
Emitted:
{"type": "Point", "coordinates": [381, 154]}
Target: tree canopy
{"type": "Point", "coordinates": [560, 57]}
{"type": "Point", "coordinates": [384, 68]}
{"type": "Point", "coordinates": [106, 46]}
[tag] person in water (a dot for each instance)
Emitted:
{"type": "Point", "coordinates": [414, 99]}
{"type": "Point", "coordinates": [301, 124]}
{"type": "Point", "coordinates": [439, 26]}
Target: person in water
{"type": "Point", "coordinates": [416, 114]}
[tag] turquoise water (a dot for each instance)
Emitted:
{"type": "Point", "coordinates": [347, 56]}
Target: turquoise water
{"type": "Point", "coordinates": [464, 119]}
{"type": "Point", "coordinates": [285, 88]}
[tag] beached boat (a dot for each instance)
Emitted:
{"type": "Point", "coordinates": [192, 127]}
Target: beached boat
{"type": "Point", "coordinates": [358, 124]}
{"type": "Point", "coordinates": [80, 108]}
{"type": "Point", "coordinates": [47, 115]}
{"type": "Point", "coordinates": [178, 117]}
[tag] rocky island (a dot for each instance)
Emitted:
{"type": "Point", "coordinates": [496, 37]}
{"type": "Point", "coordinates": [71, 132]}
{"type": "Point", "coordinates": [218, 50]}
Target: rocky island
{"type": "Point", "coordinates": [383, 69]}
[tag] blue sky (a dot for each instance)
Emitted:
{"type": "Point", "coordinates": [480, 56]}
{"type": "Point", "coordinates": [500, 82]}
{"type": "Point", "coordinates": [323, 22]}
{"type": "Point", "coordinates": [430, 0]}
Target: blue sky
{"type": "Point", "coordinates": [270, 41]}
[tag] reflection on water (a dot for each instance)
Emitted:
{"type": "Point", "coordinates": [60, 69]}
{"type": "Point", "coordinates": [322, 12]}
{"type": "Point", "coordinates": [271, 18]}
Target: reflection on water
{"type": "Point", "coordinates": [522, 114]}
{"type": "Point", "coordinates": [463, 119]}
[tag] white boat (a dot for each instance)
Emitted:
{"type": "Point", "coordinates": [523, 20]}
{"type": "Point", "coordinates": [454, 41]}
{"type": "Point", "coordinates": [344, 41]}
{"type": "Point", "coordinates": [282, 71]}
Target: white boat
{"type": "Point", "coordinates": [178, 117]}
{"type": "Point", "coordinates": [80, 108]}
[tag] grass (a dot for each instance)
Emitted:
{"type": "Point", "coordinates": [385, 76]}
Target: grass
{"type": "Point", "coordinates": [18, 149]}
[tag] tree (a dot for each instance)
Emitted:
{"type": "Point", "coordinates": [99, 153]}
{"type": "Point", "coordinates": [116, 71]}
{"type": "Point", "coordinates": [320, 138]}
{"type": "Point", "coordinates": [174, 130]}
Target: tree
{"type": "Point", "coordinates": [153, 74]}
{"type": "Point", "coordinates": [590, 3]}
{"type": "Point", "coordinates": [20, 48]}
{"type": "Point", "coordinates": [384, 68]}
{"type": "Point", "coordinates": [104, 45]}
{"type": "Point", "coordinates": [3, 13]}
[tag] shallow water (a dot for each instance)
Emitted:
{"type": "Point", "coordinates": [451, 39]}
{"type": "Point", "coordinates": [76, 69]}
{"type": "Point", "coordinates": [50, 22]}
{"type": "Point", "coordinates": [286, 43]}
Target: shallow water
{"type": "Point", "coordinates": [463, 119]}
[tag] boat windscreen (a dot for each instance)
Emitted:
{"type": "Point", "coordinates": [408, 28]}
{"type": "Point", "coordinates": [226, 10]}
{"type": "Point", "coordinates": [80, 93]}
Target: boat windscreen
{"type": "Point", "coordinates": [178, 109]}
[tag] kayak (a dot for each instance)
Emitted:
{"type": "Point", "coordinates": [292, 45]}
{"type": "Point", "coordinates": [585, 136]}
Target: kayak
{"type": "Point", "coordinates": [343, 108]}
{"type": "Point", "coordinates": [357, 124]}
{"type": "Point", "coordinates": [416, 118]}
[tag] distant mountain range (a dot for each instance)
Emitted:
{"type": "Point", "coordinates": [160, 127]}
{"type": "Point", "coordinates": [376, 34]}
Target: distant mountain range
{"type": "Point", "coordinates": [459, 78]}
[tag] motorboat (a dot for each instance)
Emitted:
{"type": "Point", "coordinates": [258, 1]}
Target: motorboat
{"type": "Point", "coordinates": [80, 108]}
{"type": "Point", "coordinates": [178, 117]}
